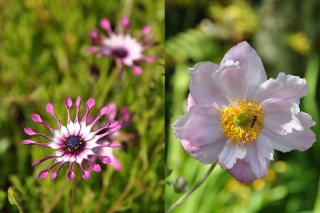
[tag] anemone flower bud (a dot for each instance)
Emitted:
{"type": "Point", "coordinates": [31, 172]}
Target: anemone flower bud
{"type": "Point", "coordinates": [180, 185]}
{"type": "Point", "coordinates": [15, 196]}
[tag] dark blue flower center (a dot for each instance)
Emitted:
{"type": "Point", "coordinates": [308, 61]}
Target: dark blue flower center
{"type": "Point", "coordinates": [74, 145]}
{"type": "Point", "coordinates": [120, 52]}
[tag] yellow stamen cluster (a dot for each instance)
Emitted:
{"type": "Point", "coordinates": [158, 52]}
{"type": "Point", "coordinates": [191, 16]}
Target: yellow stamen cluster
{"type": "Point", "coordinates": [241, 121]}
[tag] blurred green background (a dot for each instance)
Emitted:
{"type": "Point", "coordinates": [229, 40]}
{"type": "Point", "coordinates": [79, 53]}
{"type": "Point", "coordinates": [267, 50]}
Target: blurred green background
{"type": "Point", "coordinates": [286, 35]}
{"type": "Point", "coordinates": [43, 59]}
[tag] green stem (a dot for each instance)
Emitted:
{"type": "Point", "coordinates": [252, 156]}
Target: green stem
{"type": "Point", "coordinates": [143, 190]}
{"type": "Point", "coordinates": [127, 7]}
{"type": "Point", "coordinates": [107, 176]}
{"type": "Point", "coordinates": [20, 209]}
{"type": "Point", "coordinates": [74, 188]}
{"type": "Point", "coordinates": [17, 99]}
{"type": "Point", "coordinates": [106, 88]}
{"type": "Point", "coordinates": [57, 195]}
{"type": "Point", "coordinates": [130, 184]}
{"type": "Point", "coordinates": [181, 199]}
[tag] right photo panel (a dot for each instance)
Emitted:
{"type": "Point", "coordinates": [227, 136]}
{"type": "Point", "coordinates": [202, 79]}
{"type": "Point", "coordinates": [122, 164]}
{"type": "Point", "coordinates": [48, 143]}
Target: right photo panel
{"type": "Point", "coordinates": [242, 106]}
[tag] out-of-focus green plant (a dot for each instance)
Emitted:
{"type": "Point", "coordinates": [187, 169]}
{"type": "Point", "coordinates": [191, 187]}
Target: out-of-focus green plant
{"type": "Point", "coordinates": [43, 59]}
{"type": "Point", "coordinates": [300, 43]}
{"type": "Point", "coordinates": [238, 18]}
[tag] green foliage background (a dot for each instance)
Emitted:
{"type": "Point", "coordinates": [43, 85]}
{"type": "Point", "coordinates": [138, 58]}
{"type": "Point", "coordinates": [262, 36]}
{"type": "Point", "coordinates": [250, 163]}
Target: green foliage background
{"type": "Point", "coordinates": [43, 59]}
{"type": "Point", "coordinates": [286, 36]}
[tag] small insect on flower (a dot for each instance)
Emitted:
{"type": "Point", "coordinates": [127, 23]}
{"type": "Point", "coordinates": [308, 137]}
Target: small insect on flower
{"type": "Point", "coordinates": [75, 141]}
{"type": "Point", "coordinates": [254, 119]}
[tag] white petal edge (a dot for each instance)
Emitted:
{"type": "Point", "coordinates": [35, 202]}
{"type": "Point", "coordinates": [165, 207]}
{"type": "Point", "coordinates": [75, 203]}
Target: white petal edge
{"type": "Point", "coordinates": [202, 86]}
{"type": "Point", "coordinates": [207, 154]}
{"type": "Point", "coordinates": [200, 125]}
{"type": "Point", "coordinates": [251, 65]}
{"type": "Point", "coordinates": [299, 140]}
{"type": "Point", "coordinates": [230, 153]}
{"type": "Point", "coordinates": [285, 87]}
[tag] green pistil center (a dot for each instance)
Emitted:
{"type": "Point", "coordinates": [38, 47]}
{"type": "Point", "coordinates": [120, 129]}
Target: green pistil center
{"type": "Point", "coordinates": [242, 119]}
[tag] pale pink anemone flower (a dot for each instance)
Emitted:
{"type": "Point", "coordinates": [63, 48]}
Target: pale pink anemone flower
{"type": "Point", "coordinates": [74, 142]}
{"type": "Point", "coordinates": [238, 117]}
{"type": "Point", "coordinates": [124, 48]}
{"type": "Point", "coordinates": [124, 120]}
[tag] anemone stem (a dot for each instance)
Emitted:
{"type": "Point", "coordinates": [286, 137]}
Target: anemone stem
{"type": "Point", "coordinates": [181, 199]}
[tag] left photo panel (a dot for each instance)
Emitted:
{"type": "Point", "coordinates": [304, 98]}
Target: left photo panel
{"type": "Point", "coordinates": [82, 106]}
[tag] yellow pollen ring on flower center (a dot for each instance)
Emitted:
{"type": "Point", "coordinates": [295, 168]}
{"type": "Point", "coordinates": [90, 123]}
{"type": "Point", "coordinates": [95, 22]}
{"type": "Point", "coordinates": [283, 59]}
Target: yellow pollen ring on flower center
{"type": "Point", "coordinates": [241, 121]}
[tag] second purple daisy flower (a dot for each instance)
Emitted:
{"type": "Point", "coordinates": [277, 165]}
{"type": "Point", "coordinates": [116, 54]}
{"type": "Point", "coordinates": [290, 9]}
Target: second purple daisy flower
{"type": "Point", "coordinates": [124, 48]}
